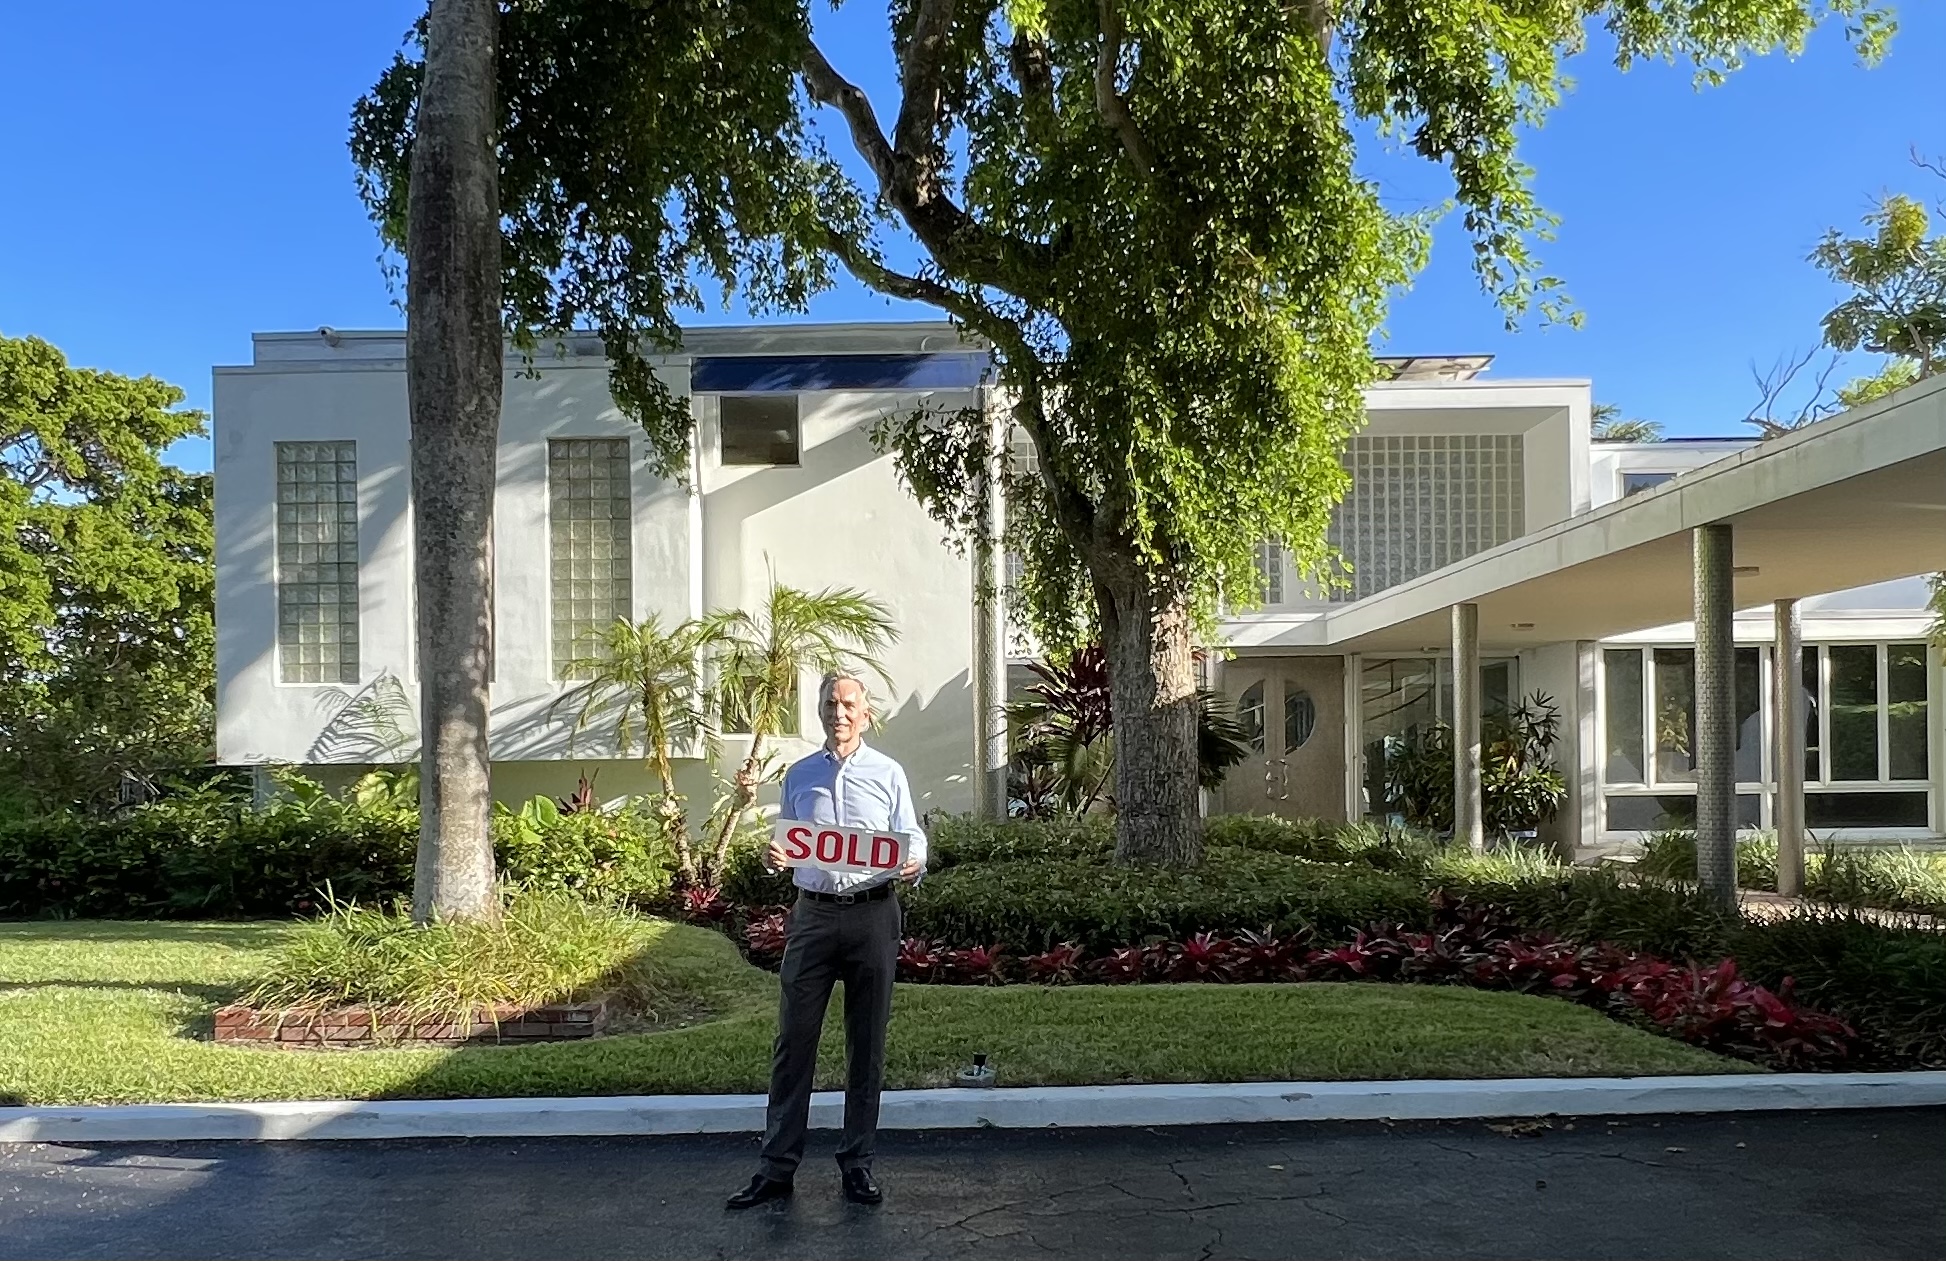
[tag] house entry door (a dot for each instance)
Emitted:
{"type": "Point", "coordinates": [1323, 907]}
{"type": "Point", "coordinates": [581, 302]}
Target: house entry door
{"type": "Point", "coordinates": [1293, 709]}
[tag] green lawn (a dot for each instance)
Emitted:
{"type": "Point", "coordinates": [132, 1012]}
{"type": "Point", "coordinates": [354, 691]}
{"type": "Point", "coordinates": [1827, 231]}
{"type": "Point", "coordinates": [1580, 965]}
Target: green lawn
{"type": "Point", "coordinates": [94, 1012]}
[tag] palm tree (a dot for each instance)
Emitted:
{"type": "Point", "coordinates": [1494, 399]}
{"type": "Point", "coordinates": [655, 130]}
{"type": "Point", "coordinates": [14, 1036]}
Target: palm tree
{"type": "Point", "coordinates": [1610, 427]}
{"type": "Point", "coordinates": [646, 682]}
{"type": "Point", "coordinates": [454, 362]}
{"type": "Point", "coordinates": [761, 659]}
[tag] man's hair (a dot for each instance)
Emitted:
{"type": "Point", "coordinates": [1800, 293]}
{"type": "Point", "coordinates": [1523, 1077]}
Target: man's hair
{"type": "Point", "coordinates": [831, 681]}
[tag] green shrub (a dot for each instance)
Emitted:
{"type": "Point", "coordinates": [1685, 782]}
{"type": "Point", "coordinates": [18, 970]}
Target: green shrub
{"type": "Point", "coordinates": [548, 946]}
{"type": "Point", "coordinates": [956, 839]}
{"type": "Point", "coordinates": [1033, 905]}
{"type": "Point", "coordinates": [198, 857]}
{"type": "Point", "coordinates": [1901, 879]}
{"type": "Point", "coordinates": [606, 855]}
{"type": "Point", "coordinates": [212, 855]}
{"type": "Point", "coordinates": [1887, 980]}
{"type": "Point", "coordinates": [1671, 855]}
{"type": "Point", "coordinates": [746, 883]}
{"type": "Point", "coordinates": [1676, 921]}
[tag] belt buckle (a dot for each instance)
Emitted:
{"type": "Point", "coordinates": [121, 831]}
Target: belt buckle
{"type": "Point", "coordinates": [845, 899]}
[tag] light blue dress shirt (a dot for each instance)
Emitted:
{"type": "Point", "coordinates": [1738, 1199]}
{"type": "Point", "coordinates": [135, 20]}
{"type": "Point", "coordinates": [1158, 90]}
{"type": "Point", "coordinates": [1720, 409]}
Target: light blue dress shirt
{"type": "Point", "coordinates": [865, 790]}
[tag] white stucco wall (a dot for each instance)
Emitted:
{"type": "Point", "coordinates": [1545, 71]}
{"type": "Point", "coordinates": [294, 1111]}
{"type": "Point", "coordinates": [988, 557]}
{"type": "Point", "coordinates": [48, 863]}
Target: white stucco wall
{"type": "Point", "coordinates": [839, 519]}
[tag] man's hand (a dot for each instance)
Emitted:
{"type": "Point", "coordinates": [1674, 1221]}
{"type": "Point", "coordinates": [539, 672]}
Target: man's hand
{"type": "Point", "coordinates": [775, 858]}
{"type": "Point", "coordinates": [910, 872]}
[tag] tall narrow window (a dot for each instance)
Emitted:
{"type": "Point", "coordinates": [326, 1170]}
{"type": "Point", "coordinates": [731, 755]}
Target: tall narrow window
{"type": "Point", "coordinates": [1905, 710]}
{"type": "Point", "coordinates": [317, 562]}
{"type": "Point", "coordinates": [588, 544]}
{"type": "Point", "coordinates": [1622, 705]}
{"type": "Point", "coordinates": [1854, 711]}
{"type": "Point", "coordinates": [1270, 566]}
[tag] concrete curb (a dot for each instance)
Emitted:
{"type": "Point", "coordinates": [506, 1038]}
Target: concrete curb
{"type": "Point", "coordinates": [1007, 1108]}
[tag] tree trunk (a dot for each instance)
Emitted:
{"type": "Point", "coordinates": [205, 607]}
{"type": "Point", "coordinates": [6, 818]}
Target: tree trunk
{"type": "Point", "coordinates": [454, 362]}
{"type": "Point", "coordinates": [1152, 689]}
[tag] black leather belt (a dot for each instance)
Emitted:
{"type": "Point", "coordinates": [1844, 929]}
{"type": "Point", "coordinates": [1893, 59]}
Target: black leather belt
{"type": "Point", "coordinates": [877, 893]}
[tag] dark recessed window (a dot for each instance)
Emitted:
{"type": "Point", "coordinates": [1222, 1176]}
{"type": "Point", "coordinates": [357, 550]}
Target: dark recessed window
{"type": "Point", "coordinates": [1636, 483]}
{"type": "Point", "coordinates": [758, 428]}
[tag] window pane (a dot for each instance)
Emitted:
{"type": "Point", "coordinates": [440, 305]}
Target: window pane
{"type": "Point", "coordinates": [1496, 687]}
{"type": "Point", "coordinates": [1250, 711]}
{"type": "Point", "coordinates": [1905, 702]}
{"type": "Point", "coordinates": [1270, 568]}
{"type": "Point", "coordinates": [1750, 715]}
{"type": "Point", "coordinates": [1675, 715]}
{"type": "Point", "coordinates": [1397, 697]}
{"type": "Point", "coordinates": [1865, 810]}
{"type": "Point", "coordinates": [589, 544]}
{"type": "Point", "coordinates": [1854, 711]}
{"type": "Point", "coordinates": [1423, 501]}
{"type": "Point", "coordinates": [1300, 719]}
{"type": "Point", "coordinates": [758, 428]}
{"type": "Point", "coordinates": [317, 522]}
{"type": "Point", "coordinates": [1813, 770]}
{"type": "Point", "coordinates": [1673, 810]}
{"type": "Point", "coordinates": [1622, 705]}
{"type": "Point", "coordinates": [1636, 483]}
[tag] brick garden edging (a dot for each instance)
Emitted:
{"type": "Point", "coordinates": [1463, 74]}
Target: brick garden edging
{"type": "Point", "coordinates": [353, 1026]}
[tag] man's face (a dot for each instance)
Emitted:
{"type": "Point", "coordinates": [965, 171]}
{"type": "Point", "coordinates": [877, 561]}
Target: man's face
{"type": "Point", "coordinates": [845, 711]}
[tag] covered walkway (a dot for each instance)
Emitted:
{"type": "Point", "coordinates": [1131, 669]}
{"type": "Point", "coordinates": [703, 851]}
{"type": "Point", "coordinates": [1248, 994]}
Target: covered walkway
{"type": "Point", "coordinates": [1856, 499]}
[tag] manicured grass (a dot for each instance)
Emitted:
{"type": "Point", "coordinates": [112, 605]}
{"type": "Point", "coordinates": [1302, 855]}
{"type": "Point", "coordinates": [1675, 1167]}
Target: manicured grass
{"type": "Point", "coordinates": [95, 1012]}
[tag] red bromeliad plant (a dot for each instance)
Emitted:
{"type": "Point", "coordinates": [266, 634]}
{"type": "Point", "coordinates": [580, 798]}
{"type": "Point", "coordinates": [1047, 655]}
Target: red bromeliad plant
{"type": "Point", "coordinates": [1059, 966]}
{"type": "Point", "coordinates": [765, 935]}
{"type": "Point", "coordinates": [1264, 956]}
{"type": "Point", "coordinates": [1122, 967]}
{"type": "Point", "coordinates": [705, 905]}
{"type": "Point", "coordinates": [918, 960]}
{"type": "Point", "coordinates": [976, 965]}
{"type": "Point", "coordinates": [1204, 957]}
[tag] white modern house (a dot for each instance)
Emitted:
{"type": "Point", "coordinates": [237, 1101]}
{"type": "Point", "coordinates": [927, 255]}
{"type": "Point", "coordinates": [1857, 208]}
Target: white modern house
{"type": "Point", "coordinates": [1571, 559]}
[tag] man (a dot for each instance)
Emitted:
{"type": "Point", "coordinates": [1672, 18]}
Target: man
{"type": "Point", "coordinates": [844, 927]}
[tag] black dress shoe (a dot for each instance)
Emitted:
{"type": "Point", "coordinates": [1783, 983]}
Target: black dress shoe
{"type": "Point", "coordinates": [859, 1187]}
{"type": "Point", "coordinates": [760, 1191]}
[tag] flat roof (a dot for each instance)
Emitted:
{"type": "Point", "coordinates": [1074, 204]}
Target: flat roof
{"type": "Point", "coordinates": [1852, 500]}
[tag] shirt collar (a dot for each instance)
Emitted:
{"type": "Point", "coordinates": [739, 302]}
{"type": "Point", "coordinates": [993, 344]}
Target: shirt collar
{"type": "Point", "coordinates": [832, 757]}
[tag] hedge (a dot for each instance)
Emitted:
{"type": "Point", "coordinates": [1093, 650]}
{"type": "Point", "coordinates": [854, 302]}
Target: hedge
{"type": "Point", "coordinates": [222, 859]}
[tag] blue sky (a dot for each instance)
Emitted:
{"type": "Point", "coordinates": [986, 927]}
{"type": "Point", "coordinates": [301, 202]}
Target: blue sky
{"type": "Point", "coordinates": [177, 178]}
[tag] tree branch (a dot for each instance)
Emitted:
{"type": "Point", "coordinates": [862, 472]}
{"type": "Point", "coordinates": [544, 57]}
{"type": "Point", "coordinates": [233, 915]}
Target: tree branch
{"type": "Point", "coordinates": [915, 137]}
{"type": "Point", "coordinates": [828, 87]}
{"type": "Point", "coordinates": [1108, 100]}
{"type": "Point", "coordinates": [1072, 510]}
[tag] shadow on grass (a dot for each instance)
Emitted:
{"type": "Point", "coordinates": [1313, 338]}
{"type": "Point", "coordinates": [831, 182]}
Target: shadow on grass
{"type": "Point", "coordinates": [241, 934]}
{"type": "Point", "coordinates": [217, 994]}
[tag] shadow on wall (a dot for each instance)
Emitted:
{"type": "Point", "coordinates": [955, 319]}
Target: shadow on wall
{"type": "Point", "coordinates": [933, 738]}
{"type": "Point", "coordinates": [376, 723]}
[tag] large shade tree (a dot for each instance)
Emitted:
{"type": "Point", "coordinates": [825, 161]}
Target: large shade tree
{"type": "Point", "coordinates": [1151, 208]}
{"type": "Point", "coordinates": [107, 640]}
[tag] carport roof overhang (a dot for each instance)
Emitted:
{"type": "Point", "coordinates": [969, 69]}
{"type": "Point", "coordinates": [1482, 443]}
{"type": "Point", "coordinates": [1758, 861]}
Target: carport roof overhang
{"type": "Point", "coordinates": [1856, 499]}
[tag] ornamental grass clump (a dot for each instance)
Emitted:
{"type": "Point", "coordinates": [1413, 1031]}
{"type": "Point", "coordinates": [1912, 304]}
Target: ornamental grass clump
{"type": "Point", "coordinates": [546, 947]}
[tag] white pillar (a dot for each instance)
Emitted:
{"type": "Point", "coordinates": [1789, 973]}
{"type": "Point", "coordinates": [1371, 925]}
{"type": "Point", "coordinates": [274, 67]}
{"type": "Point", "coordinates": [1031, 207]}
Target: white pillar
{"type": "Point", "coordinates": [1467, 827]}
{"type": "Point", "coordinates": [990, 630]}
{"type": "Point", "coordinates": [1714, 739]}
{"type": "Point", "coordinates": [1787, 717]}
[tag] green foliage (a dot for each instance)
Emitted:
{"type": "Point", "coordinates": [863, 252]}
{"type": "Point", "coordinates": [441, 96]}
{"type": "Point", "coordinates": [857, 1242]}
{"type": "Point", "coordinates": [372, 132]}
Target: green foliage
{"type": "Point", "coordinates": [1609, 426]}
{"type": "Point", "coordinates": [1062, 736]}
{"type": "Point", "coordinates": [644, 148]}
{"type": "Point", "coordinates": [1887, 980]}
{"type": "Point", "coordinates": [1897, 279]}
{"type": "Point", "coordinates": [1520, 788]}
{"type": "Point", "coordinates": [106, 583]}
{"type": "Point", "coordinates": [1889, 878]}
{"type": "Point", "coordinates": [1034, 904]}
{"type": "Point", "coordinates": [545, 947]}
{"type": "Point", "coordinates": [964, 838]}
{"type": "Point", "coordinates": [209, 853]}
{"type": "Point", "coordinates": [600, 855]}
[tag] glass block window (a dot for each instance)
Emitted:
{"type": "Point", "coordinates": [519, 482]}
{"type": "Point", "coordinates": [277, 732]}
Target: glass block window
{"type": "Point", "coordinates": [1421, 502]}
{"type": "Point", "coordinates": [1270, 566]}
{"type": "Point", "coordinates": [317, 562]}
{"type": "Point", "coordinates": [589, 520]}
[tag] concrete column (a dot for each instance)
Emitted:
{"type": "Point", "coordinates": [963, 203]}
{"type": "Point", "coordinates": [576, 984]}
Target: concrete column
{"type": "Point", "coordinates": [990, 628]}
{"type": "Point", "coordinates": [1467, 826]}
{"type": "Point", "coordinates": [1787, 717]}
{"type": "Point", "coordinates": [1714, 739]}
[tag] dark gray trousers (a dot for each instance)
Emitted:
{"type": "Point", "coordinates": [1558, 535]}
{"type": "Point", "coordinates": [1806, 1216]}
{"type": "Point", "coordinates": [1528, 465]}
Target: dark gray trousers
{"type": "Point", "coordinates": [827, 943]}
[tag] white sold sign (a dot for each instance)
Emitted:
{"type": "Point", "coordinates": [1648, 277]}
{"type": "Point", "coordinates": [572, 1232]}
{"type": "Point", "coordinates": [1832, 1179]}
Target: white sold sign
{"type": "Point", "coordinates": [833, 848]}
